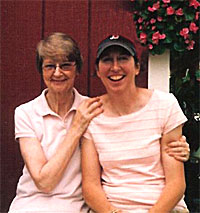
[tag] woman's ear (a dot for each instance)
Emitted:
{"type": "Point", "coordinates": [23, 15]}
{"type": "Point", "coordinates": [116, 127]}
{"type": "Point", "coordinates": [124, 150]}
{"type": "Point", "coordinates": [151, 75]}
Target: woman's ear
{"type": "Point", "coordinates": [137, 67]}
{"type": "Point", "coordinates": [97, 70]}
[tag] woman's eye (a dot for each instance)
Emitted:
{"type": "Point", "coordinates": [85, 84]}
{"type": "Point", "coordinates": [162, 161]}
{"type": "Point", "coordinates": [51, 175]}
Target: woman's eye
{"type": "Point", "coordinates": [64, 66]}
{"type": "Point", "coordinates": [49, 66]}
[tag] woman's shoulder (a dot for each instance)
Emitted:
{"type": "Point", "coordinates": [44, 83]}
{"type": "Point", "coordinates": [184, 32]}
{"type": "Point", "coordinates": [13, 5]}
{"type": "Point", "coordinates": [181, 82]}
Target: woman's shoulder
{"type": "Point", "coordinates": [161, 95]}
{"type": "Point", "coordinates": [26, 105]}
{"type": "Point", "coordinates": [29, 105]}
{"type": "Point", "coordinates": [163, 101]}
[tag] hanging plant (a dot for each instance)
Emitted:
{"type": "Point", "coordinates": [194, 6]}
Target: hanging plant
{"type": "Point", "coordinates": [170, 24]}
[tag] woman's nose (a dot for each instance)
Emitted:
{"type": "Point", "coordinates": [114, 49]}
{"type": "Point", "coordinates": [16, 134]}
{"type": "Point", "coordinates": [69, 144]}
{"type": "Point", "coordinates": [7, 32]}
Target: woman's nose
{"type": "Point", "coordinates": [115, 65]}
{"type": "Point", "coordinates": [57, 70]}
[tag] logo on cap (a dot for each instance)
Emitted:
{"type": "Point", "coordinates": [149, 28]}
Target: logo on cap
{"type": "Point", "coordinates": [114, 37]}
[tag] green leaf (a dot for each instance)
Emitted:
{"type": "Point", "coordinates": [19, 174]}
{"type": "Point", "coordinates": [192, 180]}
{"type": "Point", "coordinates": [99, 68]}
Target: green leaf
{"type": "Point", "coordinates": [186, 78]}
{"type": "Point", "coordinates": [158, 50]}
{"type": "Point", "coordinates": [197, 74]}
{"type": "Point", "coordinates": [144, 16]}
{"type": "Point", "coordinates": [167, 40]}
{"type": "Point", "coordinates": [189, 16]}
{"type": "Point", "coordinates": [178, 19]}
{"type": "Point", "coordinates": [179, 47]}
{"type": "Point", "coordinates": [160, 25]}
{"type": "Point", "coordinates": [170, 27]}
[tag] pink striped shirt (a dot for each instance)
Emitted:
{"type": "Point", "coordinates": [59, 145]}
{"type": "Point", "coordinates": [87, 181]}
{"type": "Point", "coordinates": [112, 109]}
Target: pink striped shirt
{"type": "Point", "coordinates": [129, 152]}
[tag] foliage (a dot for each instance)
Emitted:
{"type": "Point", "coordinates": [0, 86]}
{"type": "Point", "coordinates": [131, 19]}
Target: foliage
{"type": "Point", "coordinates": [186, 90]}
{"type": "Point", "coordinates": [171, 24]}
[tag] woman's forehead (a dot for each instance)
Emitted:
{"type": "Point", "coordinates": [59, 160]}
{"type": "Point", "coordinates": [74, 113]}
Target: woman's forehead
{"type": "Point", "coordinates": [115, 50]}
{"type": "Point", "coordinates": [56, 59]}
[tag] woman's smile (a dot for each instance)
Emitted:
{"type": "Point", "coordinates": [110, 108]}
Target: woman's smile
{"type": "Point", "coordinates": [116, 77]}
{"type": "Point", "coordinates": [58, 80]}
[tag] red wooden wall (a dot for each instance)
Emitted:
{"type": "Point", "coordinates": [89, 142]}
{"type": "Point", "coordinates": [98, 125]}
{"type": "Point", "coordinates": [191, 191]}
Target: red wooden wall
{"type": "Point", "coordinates": [23, 24]}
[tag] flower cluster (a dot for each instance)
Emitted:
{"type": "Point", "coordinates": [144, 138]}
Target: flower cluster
{"type": "Point", "coordinates": [171, 24]}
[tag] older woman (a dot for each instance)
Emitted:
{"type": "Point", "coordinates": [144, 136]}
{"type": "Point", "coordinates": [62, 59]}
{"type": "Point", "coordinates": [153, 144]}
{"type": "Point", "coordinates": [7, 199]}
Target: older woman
{"type": "Point", "coordinates": [48, 129]}
{"type": "Point", "coordinates": [130, 169]}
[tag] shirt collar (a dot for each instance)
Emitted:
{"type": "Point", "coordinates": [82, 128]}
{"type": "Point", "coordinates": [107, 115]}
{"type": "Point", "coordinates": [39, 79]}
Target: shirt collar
{"type": "Point", "coordinates": [78, 98]}
{"type": "Point", "coordinates": [43, 108]}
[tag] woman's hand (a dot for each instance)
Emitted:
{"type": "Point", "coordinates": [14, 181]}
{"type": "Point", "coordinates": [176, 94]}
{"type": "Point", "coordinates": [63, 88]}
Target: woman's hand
{"type": "Point", "coordinates": [87, 110]}
{"type": "Point", "coordinates": [180, 150]}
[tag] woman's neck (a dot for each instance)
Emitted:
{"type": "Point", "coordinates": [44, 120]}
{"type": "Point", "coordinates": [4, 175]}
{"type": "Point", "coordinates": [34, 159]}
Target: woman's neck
{"type": "Point", "coordinates": [60, 103]}
{"type": "Point", "coordinates": [126, 103]}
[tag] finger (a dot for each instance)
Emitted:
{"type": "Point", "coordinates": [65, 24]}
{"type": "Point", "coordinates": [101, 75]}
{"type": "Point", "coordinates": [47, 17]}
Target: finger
{"type": "Point", "coordinates": [178, 144]}
{"type": "Point", "coordinates": [89, 101]}
{"type": "Point", "coordinates": [179, 154]}
{"type": "Point", "coordinates": [94, 105]}
{"type": "Point", "coordinates": [174, 145]}
{"type": "Point", "coordinates": [178, 150]}
{"type": "Point", "coordinates": [182, 139]}
{"type": "Point", "coordinates": [96, 112]}
{"type": "Point", "coordinates": [182, 159]}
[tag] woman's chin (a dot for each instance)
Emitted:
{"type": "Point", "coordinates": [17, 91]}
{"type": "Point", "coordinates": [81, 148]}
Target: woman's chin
{"type": "Point", "coordinates": [59, 89]}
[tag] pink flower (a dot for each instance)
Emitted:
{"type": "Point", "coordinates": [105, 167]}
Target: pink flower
{"type": "Point", "coordinates": [155, 7]}
{"type": "Point", "coordinates": [153, 20]}
{"type": "Point", "coordinates": [153, 27]}
{"type": "Point", "coordinates": [162, 36]}
{"type": "Point", "coordinates": [164, 5]}
{"type": "Point", "coordinates": [193, 27]}
{"type": "Point", "coordinates": [143, 38]}
{"type": "Point", "coordinates": [191, 45]}
{"type": "Point", "coordinates": [179, 12]}
{"type": "Point", "coordinates": [194, 3]}
{"type": "Point", "coordinates": [159, 18]}
{"type": "Point", "coordinates": [197, 15]}
{"type": "Point", "coordinates": [140, 20]}
{"type": "Point", "coordinates": [170, 10]}
{"type": "Point", "coordinates": [140, 27]}
{"type": "Point", "coordinates": [187, 41]}
{"type": "Point", "coordinates": [157, 36]}
{"type": "Point", "coordinates": [150, 9]}
{"type": "Point", "coordinates": [150, 46]}
{"type": "Point", "coordinates": [184, 32]}
{"type": "Point", "coordinates": [166, 1]}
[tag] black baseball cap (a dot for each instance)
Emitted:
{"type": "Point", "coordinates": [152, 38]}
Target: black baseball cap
{"type": "Point", "coordinates": [116, 40]}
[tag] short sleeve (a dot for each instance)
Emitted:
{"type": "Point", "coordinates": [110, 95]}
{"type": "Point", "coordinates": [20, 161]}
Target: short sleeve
{"type": "Point", "coordinates": [23, 124]}
{"type": "Point", "coordinates": [174, 115]}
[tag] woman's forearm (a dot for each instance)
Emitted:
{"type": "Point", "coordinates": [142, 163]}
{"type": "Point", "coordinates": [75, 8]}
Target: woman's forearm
{"type": "Point", "coordinates": [52, 170]}
{"type": "Point", "coordinates": [95, 198]}
{"type": "Point", "coordinates": [171, 195]}
{"type": "Point", "coordinates": [174, 176]}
